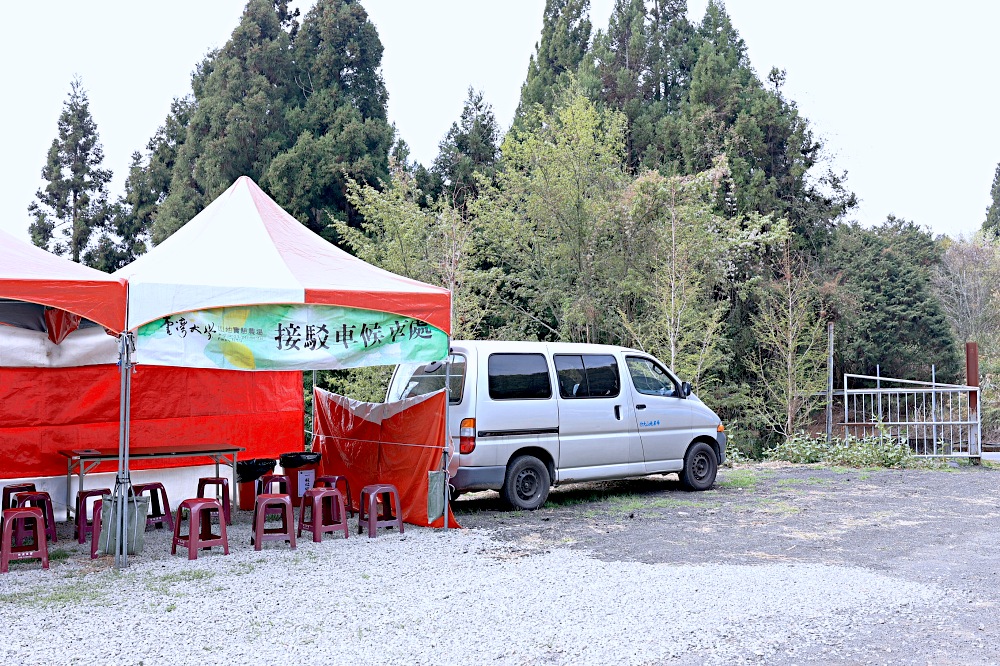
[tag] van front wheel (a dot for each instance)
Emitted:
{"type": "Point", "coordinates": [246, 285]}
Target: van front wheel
{"type": "Point", "coordinates": [526, 485]}
{"type": "Point", "coordinates": [700, 467]}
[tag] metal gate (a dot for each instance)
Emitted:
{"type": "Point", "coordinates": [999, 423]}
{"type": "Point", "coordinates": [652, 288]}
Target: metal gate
{"type": "Point", "coordinates": [933, 419]}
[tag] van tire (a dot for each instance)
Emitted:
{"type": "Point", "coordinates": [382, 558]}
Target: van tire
{"type": "Point", "coordinates": [700, 467]}
{"type": "Point", "coordinates": [526, 485]}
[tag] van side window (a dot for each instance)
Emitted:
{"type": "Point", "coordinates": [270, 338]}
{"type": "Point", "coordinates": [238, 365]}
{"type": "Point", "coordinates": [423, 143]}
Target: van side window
{"type": "Point", "coordinates": [587, 375]}
{"type": "Point", "coordinates": [519, 377]}
{"type": "Point", "coordinates": [649, 378]}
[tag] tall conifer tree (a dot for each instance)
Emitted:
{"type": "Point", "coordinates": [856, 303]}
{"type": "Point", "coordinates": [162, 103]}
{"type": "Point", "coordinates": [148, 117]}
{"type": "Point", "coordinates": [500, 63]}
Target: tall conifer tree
{"type": "Point", "coordinates": [565, 40]}
{"type": "Point", "coordinates": [74, 199]}
{"type": "Point", "coordinates": [992, 222]}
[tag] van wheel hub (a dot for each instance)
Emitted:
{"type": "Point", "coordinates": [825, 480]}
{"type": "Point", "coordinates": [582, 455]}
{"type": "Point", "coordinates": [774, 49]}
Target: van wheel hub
{"type": "Point", "coordinates": [527, 483]}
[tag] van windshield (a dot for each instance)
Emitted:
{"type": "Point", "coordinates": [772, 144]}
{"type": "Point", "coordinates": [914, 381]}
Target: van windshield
{"type": "Point", "coordinates": [413, 379]}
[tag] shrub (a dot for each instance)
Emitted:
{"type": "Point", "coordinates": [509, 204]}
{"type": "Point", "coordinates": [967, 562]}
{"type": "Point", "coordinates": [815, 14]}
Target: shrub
{"type": "Point", "coordinates": [870, 451]}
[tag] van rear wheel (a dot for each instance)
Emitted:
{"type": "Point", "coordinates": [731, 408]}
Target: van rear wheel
{"type": "Point", "coordinates": [700, 467]}
{"type": "Point", "coordinates": [526, 485]}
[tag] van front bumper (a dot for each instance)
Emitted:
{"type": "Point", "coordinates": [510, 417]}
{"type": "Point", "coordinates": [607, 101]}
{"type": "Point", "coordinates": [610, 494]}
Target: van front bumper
{"type": "Point", "coordinates": [479, 478]}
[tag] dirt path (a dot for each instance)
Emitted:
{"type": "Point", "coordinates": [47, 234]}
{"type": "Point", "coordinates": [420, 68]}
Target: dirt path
{"type": "Point", "coordinates": [930, 526]}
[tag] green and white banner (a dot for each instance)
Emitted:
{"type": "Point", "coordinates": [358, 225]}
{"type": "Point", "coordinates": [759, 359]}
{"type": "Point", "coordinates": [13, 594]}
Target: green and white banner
{"type": "Point", "coordinates": [287, 337]}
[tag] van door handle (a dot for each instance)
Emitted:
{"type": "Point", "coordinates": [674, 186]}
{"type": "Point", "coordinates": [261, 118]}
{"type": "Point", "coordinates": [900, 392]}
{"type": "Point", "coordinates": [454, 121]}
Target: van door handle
{"type": "Point", "coordinates": [618, 412]}
{"type": "Point", "coordinates": [640, 406]}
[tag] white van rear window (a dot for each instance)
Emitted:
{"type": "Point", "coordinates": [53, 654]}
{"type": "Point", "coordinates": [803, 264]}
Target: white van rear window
{"type": "Point", "coordinates": [413, 379]}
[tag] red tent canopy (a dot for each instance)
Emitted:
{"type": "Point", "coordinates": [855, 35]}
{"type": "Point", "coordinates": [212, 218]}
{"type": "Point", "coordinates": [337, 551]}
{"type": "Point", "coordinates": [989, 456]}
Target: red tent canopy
{"type": "Point", "coordinates": [28, 273]}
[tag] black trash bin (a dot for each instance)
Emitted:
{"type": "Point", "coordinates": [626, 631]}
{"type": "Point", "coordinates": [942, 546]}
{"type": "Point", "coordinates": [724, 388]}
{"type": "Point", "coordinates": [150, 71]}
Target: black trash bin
{"type": "Point", "coordinates": [301, 468]}
{"type": "Point", "coordinates": [247, 473]}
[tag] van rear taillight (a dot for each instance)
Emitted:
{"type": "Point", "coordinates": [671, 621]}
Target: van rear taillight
{"type": "Point", "coordinates": [467, 436]}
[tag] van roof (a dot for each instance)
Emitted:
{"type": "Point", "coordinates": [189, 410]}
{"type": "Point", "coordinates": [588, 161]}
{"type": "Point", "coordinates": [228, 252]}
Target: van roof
{"type": "Point", "coordinates": [535, 345]}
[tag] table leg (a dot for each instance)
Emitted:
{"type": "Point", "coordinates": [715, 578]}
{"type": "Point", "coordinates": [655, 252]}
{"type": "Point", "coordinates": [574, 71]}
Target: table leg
{"type": "Point", "coordinates": [236, 486]}
{"type": "Point", "coordinates": [69, 488]}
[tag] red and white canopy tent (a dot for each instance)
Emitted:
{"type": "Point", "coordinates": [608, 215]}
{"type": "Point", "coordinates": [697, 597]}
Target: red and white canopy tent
{"type": "Point", "coordinates": [245, 286]}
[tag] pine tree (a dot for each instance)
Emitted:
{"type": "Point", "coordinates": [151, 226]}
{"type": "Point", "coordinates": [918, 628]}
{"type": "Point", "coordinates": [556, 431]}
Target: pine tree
{"type": "Point", "coordinates": [565, 39]}
{"type": "Point", "coordinates": [992, 222]}
{"type": "Point", "coordinates": [74, 201]}
{"type": "Point", "coordinates": [471, 146]}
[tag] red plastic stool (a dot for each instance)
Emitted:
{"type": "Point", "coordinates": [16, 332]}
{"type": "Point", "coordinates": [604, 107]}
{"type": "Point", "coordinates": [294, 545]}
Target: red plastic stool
{"type": "Point", "coordinates": [266, 487]}
{"type": "Point", "coordinates": [8, 492]}
{"type": "Point", "coordinates": [41, 500]}
{"type": "Point", "coordinates": [85, 527]}
{"type": "Point", "coordinates": [270, 503]}
{"type": "Point", "coordinates": [327, 512]}
{"type": "Point", "coordinates": [95, 533]}
{"type": "Point", "coordinates": [199, 534]}
{"type": "Point", "coordinates": [392, 512]}
{"type": "Point", "coordinates": [221, 482]}
{"type": "Point", "coordinates": [334, 481]}
{"type": "Point", "coordinates": [159, 506]}
{"type": "Point", "coordinates": [22, 520]}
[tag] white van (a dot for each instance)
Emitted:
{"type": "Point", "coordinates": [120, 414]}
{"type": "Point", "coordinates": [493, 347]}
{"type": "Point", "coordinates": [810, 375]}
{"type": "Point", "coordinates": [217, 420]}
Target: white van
{"type": "Point", "coordinates": [528, 415]}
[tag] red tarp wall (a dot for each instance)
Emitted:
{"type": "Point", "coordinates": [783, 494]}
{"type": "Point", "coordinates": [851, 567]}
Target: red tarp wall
{"type": "Point", "coordinates": [396, 442]}
{"type": "Point", "coordinates": [43, 410]}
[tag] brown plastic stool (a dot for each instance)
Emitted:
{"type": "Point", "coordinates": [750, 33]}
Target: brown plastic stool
{"type": "Point", "coordinates": [159, 506]}
{"type": "Point", "coordinates": [40, 499]}
{"type": "Point", "coordinates": [199, 534]}
{"type": "Point", "coordinates": [8, 492]}
{"type": "Point", "coordinates": [271, 503]}
{"type": "Point", "coordinates": [326, 512]}
{"type": "Point", "coordinates": [392, 512]}
{"type": "Point", "coordinates": [219, 482]}
{"type": "Point", "coordinates": [27, 521]}
{"type": "Point", "coordinates": [83, 526]}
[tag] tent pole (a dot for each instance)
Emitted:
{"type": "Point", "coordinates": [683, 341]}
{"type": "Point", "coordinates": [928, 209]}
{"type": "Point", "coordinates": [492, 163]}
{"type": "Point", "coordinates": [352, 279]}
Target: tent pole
{"type": "Point", "coordinates": [447, 431]}
{"type": "Point", "coordinates": [312, 411]}
{"type": "Point", "coordinates": [123, 482]}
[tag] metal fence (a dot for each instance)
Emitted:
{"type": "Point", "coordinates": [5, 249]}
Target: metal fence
{"type": "Point", "coordinates": [933, 419]}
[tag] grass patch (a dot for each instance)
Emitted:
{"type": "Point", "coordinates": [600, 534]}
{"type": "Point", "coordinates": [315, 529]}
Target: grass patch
{"type": "Point", "coordinates": [738, 478]}
{"type": "Point", "coordinates": [58, 554]}
{"type": "Point", "coordinates": [163, 584]}
{"type": "Point", "coordinates": [873, 451]}
{"type": "Point", "coordinates": [66, 595]}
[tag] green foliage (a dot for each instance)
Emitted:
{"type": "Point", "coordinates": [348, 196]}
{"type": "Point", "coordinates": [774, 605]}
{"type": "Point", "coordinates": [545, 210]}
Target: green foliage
{"type": "Point", "coordinates": [881, 296]}
{"type": "Point", "coordinates": [872, 451]}
{"type": "Point", "coordinates": [992, 222]}
{"type": "Point", "coordinates": [471, 147]}
{"type": "Point", "coordinates": [790, 361]}
{"type": "Point", "coordinates": [74, 199]}
{"type": "Point", "coordinates": [689, 251]}
{"type": "Point", "coordinates": [564, 41]}
{"type": "Point", "coordinates": [300, 109]}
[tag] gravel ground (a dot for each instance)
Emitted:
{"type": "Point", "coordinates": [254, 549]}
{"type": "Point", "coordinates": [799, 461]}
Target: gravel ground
{"type": "Point", "coordinates": [777, 565]}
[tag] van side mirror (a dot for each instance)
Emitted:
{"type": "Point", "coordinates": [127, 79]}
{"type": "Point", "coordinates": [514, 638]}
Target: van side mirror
{"type": "Point", "coordinates": [685, 389]}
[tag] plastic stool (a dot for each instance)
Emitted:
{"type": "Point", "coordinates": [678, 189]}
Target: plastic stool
{"type": "Point", "coordinates": [269, 480]}
{"type": "Point", "coordinates": [199, 534]}
{"type": "Point", "coordinates": [8, 492]}
{"type": "Point", "coordinates": [159, 506]}
{"type": "Point", "coordinates": [279, 503]}
{"type": "Point", "coordinates": [392, 512]}
{"type": "Point", "coordinates": [267, 488]}
{"type": "Point", "coordinates": [95, 532]}
{"type": "Point", "coordinates": [16, 521]}
{"type": "Point", "coordinates": [41, 500]}
{"type": "Point", "coordinates": [84, 526]}
{"type": "Point", "coordinates": [333, 481]}
{"type": "Point", "coordinates": [218, 481]}
{"type": "Point", "coordinates": [327, 512]}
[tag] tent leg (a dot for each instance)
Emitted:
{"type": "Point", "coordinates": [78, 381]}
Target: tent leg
{"type": "Point", "coordinates": [123, 481]}
{"type": "Point", "coordinates": [447, 432]}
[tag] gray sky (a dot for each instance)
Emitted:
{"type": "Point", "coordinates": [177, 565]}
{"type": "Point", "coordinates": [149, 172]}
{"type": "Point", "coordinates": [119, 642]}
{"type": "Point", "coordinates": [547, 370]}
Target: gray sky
{"type": "Point", "coordinates": [903, 94]}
